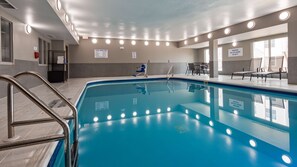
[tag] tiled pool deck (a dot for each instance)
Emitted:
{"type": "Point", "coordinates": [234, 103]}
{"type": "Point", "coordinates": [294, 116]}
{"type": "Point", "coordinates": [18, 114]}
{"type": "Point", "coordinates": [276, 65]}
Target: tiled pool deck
{"type": "Point", "coordinates": [39, 155]}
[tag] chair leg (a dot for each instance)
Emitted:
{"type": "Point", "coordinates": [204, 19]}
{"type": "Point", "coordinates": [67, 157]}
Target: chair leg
{"type": "Point", "coordinates": [232, 76]}
{"type": "Point", "coordinates": [242, 76]}
{"type": "Point", "coordinates": [251, 77]}
{"type": "Point", "coordinates": [265, 78]}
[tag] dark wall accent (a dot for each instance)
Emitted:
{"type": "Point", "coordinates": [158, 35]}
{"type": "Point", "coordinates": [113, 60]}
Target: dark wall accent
{"type": "Point", "coordinates": [83, 70]}
{"type": "Point", "coordinates": [20, 66]}
{"type": "Point", "coordinates": [292, 77]}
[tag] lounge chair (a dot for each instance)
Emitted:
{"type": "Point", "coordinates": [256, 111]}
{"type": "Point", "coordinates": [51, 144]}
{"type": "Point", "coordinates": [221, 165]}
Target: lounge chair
{"type": "Point", "coordinates": [255, 66]}
{"type": "Point", "coordinates": [190, 68]}
{"type": "Point", "coordinates": [141, 70]}
{"type": "Point", "coordinates": [275, 66]}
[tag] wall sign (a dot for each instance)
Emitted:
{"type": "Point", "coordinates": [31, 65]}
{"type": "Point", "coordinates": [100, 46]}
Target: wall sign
{"type": "Point", "coordinates": [134, 55]}
{"type": "Point", "coordinates": [235, 52]}
{"type": "Point", "coordinates": [101, 53]}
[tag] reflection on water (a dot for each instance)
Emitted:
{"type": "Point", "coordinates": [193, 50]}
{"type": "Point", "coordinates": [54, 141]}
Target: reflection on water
{"type": "Point", "coordinates": [261, 120]}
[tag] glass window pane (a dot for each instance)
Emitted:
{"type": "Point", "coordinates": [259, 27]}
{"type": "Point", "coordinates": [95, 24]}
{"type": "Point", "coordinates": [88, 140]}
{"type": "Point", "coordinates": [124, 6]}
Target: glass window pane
{"type": "Point", "coordinates": [279, 47]}
{"type": "Point", "coordinates": [220, 59]}
{"type": "Point", "coordinates": [6, 40]}
{"type": "Point", "coordinates": [261, 50]}
{"type": "Point", "coordinates": [206, 56]}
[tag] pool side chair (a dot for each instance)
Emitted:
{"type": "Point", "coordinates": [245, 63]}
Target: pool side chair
{"type": "Point", "coordinates": [255, 66]}
{"type": "Point", "coordinates": [275, 66]}
{"type": "Point", "coordinates": [141, 70]}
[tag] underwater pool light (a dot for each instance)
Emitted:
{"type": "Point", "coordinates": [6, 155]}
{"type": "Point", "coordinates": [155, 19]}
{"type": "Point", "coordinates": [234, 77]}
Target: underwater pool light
{"type": "Point", "coordinates": [187, 111]}
{"type": "Point", "coordinates": [228, 131]}
{"type": "Point", "coordinates": [197, 116]}
{"type": "Point", "coordinates": [210, 123]}
{"type": "Point", "coordinates": [123, 115]}
{"type": "Point", "coordinates": [253, 143]}
{"type": "Point", "coordinates": [235, 112]}
{"type": "Point", "coordinates": [168, 109]}
{"type": "Point", "coordinates": [109, 117]}
{"type": "Point", "coordinates": [158, 110]}
{"type": "Point", "coordinates": [286, 159]}
{"type": "Point", "coordinates": [95, 119]}
{"type": "Point", "coordinates": [134, 113]}
{"type": "Point", "coordinates": [147, 112]}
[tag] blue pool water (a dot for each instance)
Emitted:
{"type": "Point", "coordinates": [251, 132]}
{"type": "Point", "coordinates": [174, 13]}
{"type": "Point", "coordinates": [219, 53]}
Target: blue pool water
{"type": "Point", "coordinates": [180, 123]}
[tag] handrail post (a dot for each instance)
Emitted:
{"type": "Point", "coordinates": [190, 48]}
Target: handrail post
{"type": "Point", "coordinates": [10, 111]}
{"type": "Point", "coordinates": [48, 111]}
{"type": "Point", "coordinates": [72, 107]}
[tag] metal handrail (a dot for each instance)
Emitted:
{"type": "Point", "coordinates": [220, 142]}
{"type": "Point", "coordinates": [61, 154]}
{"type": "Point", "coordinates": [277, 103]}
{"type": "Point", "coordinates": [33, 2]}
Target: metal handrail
{"type": "Point", "coordinates": [169, 73]}
{"type": "Point", "coordinates": [66, 131]}
{"type": "Point", "coordinates": [60, 95]}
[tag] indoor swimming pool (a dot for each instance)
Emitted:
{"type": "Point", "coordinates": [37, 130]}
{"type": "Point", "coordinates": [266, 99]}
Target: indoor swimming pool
{"type": "Point", "coordinates": [184, 123]}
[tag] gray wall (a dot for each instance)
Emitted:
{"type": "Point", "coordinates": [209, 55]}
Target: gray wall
{"type": "Point", "coordinates": [120, 62]}
{"type": "Point", "coordinates": [23, 54]}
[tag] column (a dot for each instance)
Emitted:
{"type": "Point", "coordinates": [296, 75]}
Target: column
{"type": "Point", "coordinates": [213, 58]}
{"type": "Point", "coordinates": [292, 52]}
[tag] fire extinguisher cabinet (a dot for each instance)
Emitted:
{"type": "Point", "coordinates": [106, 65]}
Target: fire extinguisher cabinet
{"type": "Point", "coordinates": [57, 66]}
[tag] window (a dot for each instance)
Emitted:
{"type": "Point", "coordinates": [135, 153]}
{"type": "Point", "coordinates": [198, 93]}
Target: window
{"type": "Point", "coordinates": [206, 56]}
{"type": "Point", "coordinates": [6, 41]}
{"type": "Point", "coordinates": [271, 48]}
{"type": "Point", "coordinates": [43, 48]}
{"type": "Point", "coordinates": [220, 59]}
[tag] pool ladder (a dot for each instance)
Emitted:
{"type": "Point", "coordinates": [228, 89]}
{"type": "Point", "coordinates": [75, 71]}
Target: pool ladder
{"type": "Point", "coordinates": [170, 73]}
{"type": "Point", "coordinates": [70, 151]}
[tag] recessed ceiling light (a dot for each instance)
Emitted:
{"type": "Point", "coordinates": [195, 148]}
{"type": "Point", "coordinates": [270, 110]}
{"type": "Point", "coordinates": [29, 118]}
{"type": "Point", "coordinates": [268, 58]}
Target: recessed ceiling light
{"type": "Point", "coordinates": [66, 18]}
{"type": "Point", "coordinates": [196, 39]}
{"type": "Point", "coordinates": [227, 31]}
{"type": "Point", "coordinates": [28, 29]}
{"type": "Point", "coordinates": [133, 42]}
{"type": "Point", "coordinates": [251, 24]}
{"type": "Point", "coordinates": [72, 27]}
{"type": "Point", "coordinates": [234, 44]}
{"type": "Point", "coordinates": [58, 5]}
{"type": "Point", "coordinates": [94, 40]}
{"type": "Point", "coordinates": [167, 43]}
{"type": "Point", "coordinates": [209, 35]}
{"type": "Point", "coordinates": [146, 43]}
{"type": "Point", "coordinates": [121, 42]}
{"type": "Point", "coordinates": [157, 43]}
{"type": "Point", "coordinates": [107, 41]}
{"type": "Point", "coordinates": [284, 15]}
{"type": "Point", "coordinates": [185, 42]}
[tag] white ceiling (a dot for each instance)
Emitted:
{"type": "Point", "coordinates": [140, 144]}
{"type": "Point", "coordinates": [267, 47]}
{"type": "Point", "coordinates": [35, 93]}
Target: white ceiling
{"type": "Point", "coordinates": [164, 19]}
{"type": "Point", "coordinates": [172, 20]}
{"type": "Point", "coordinates": [40, 15]}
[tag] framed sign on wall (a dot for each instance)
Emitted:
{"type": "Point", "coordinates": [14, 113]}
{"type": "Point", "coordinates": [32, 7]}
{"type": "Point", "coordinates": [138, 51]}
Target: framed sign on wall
{"type": "Point", "coordinates": [101, 53]}
{"type": "Point", "coordinates": [235, 52]}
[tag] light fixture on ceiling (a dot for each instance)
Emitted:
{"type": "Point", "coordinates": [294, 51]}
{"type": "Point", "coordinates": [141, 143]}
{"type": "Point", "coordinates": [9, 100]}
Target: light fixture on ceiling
{"type": "Point", "coordinates": [58, 5]}
{"type": "Point", "coordinates": [209, 35]}
{"type": "Point", "coordinates": [285, 15]}
{"type": "Point", "coordinates": [72, 27]}
{"type": "Point", "coordinates": [227, 31]}
{"type": "Point", "coordinates": [133, 42]}
{"type": "Point", "coordinates": [121, 42]}
{"type": "Point", "coordinates": [107, 41]}
{"type": "Point", "coordinates": [251, 24]}
{"type": "Point", "coordinates": [28, 29]}
{"type": "Point", "coordinates": [196, 39]}
{"type": "Point", "coordinates": [185, 42]}
{"type": "Point", "coordinates": [234, 43]}
{"type": "Point", "coordinates": [167, 43]}
{"type": "Point", "coordinates": [157, 43]}
{"type": "Point", "coordinates": [146, 43]}
{"type": "Point", "coordinates": [66, 18]}
{"type": "Point", "coordinates": [94, 40]}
